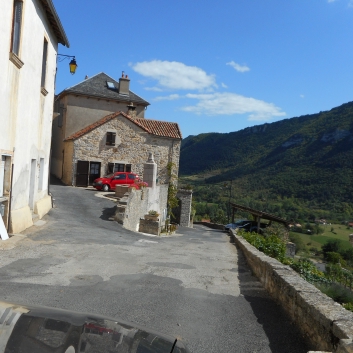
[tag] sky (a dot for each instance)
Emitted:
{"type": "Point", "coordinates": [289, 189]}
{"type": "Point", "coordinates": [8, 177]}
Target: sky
{"type": "Point", "coordinates": [216, 66]}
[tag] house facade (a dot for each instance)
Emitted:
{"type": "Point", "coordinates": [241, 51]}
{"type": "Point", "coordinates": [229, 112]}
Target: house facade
{"type": "Point", "coordinates": [102, 129]}
{"type": "Point", "coordinates": [30, 31]}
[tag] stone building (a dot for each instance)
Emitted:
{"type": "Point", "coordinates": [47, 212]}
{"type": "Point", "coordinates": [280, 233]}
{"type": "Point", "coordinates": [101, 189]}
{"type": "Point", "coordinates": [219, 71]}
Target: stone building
{"type": "Point", "coordinates": [30, 32]}
{"type": "Point", "coordinates": [90, 153]}
{"type": "Point", "coordinates": [101, 128]}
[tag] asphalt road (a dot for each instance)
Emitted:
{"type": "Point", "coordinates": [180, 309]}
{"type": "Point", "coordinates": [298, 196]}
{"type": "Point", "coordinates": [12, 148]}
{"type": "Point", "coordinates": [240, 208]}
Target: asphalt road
{"type": "Point", "coordinates": [194, 285]}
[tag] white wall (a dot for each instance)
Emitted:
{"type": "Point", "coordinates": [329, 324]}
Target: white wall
{"type": "Point", "coordinates": [26, 114]}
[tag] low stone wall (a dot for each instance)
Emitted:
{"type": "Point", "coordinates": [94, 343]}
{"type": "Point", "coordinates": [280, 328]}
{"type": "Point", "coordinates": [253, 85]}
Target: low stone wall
{"type": "Point", "coordinates": [325, 323]}
{"type": "Point", "coordinates": [211, 225]}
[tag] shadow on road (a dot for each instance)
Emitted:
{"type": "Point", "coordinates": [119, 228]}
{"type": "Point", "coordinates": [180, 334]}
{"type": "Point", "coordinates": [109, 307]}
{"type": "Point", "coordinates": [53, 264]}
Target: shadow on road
{"type": "Point", "coordinates": [108, 213]}
{"type": "Point", "coordinates": [55, 181]}
{"type": "Point", "coordinates": [282, 333]}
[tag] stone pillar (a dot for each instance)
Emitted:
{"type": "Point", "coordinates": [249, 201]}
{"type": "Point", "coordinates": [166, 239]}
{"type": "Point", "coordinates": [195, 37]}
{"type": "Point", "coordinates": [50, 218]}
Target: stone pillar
{"type": "Point", "coordinates": [185, 197]}
{"type": "Point", "coordinates": [150, 172]}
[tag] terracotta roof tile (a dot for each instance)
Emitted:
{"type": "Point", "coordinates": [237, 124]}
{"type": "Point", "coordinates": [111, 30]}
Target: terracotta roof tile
{"type": "Point", "coordinates": [161, 128]}
{"type": "Point", "coordinates": [154, 127]}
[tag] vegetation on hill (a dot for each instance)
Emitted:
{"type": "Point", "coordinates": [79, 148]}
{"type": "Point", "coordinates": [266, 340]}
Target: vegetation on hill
{"type": "Point", "coordinates": [300, 168]}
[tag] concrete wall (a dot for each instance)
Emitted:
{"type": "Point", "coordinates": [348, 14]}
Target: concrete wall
{"type": "Point", "coordinates": [81, 111]}
{"type": "Point", "coordinates": [325, 323]}
{"type": "Point", "coordinates": [26, 113]}
{"type": "Point", "coordinates": [133, 146]}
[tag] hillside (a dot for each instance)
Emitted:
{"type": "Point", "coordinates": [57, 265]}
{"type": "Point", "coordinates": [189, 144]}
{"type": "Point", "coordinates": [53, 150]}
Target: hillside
{"type": "Point", "coordinates": [307, 159]}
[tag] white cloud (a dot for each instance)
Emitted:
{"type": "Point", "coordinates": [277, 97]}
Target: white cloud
{"type": "Point", "coordinates": [224, 85]}
{"type": "Point", "coordinates": [302, 96]}
{"type": "Point", "coordinates": [171, 97]}
{"type": "Point", "coordinates": [175, 75]}
{"type": "Point", "coordinates": [350, 3]}
{"type": "Point", "coordinates": [231, 104]}
{"type": "Point", "coordinates": [331, 0]}
{"type": "Point", "coordinates": [237, 67]}
{"type": "Point", "coordinates": [155, 89]}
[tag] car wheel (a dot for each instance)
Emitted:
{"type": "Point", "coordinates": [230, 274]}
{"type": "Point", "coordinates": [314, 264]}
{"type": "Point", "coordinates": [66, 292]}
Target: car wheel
{"type": "Point", "coordinates": [105, 187]}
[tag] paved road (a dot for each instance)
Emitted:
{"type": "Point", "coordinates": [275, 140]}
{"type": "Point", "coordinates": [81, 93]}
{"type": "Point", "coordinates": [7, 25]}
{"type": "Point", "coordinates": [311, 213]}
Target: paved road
{"type": "Point", "coordinates": [194, 285]}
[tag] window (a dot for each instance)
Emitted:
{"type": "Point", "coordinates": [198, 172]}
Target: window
{"type": "Point", "coordinates": [118, 167]}
{"type": "Point", "coordinates": [131, 176]}
{"type": "Point", "coordinates": [16, 28]}
{"type": "Point", "coordinates": [110, 141]}
{"type": "Point", "coordinates": [111, 85]}
{"type": "Point", "coordinates": [44, 62]}
{"type": "Point", "coordinates": [120, 176]}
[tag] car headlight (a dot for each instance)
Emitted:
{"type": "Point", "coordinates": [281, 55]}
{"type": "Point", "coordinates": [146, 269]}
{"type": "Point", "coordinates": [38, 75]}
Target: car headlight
{"type": "Point", "coordinates": [99, 182]}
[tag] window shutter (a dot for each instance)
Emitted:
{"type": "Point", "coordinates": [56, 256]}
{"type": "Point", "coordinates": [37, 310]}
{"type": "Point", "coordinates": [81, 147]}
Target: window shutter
{"type": "Point", "coordinates": [113, 138]}
{"type": "Point", "coordinates": [44, 62]}
{"type": "Point", "coordinates": [111, 168]}
{"type": "Point", "coordinates": [17, 27]}
{"type": "Point", "coordinates": [109, 139]}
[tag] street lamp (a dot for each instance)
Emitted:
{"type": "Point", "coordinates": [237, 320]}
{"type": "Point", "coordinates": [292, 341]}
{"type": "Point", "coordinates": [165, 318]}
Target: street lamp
{"type": "Point", "coordinates": [73, 65]}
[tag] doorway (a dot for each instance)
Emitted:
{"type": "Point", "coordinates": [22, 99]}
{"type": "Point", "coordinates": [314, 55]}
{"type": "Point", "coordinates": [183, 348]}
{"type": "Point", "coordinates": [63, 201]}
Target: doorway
{"type": "Point", "coordinates": [94, 171]}
{"type": "Point", "coordinates": [82, 173]}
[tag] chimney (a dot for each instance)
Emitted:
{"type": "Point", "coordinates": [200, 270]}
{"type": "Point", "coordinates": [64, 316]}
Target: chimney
{"type": "Point", "coordinates": [131, 110]}
{"type": "Point", "coordinates": [124, 84]}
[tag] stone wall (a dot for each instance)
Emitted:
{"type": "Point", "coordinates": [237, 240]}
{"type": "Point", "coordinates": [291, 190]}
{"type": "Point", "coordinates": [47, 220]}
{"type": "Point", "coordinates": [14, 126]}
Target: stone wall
{"type": "Point", "coordinates": [185, 197]}
{"type": "Point", "coordinates": [325, 323]}
{"type": "Point", "coordinates": [133, 146]}
{"type": "Point", "coordinates": [136, 203]}
{"type": "Point", "coordinates": [211, 225]}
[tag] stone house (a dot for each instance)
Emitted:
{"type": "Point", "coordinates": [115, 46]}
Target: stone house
{"type": "Point", "coordinates": [101, 128]}
{"type": "Point", "coordinates": [90, 152]}
{"type": "Point", "coordinates": [30, 32]}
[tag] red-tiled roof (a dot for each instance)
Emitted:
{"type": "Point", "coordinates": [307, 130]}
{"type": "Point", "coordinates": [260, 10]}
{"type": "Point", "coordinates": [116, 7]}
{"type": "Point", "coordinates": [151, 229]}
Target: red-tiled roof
{"type": "Point", "coordinates": [154, 127]}
{"type": "Point", "coordinates": [161, 128]}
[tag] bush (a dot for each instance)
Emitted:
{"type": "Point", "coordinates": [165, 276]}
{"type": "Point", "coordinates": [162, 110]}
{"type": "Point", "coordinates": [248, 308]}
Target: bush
{"type": "Point", "coordinates": [270, 245]}
{"type": "Point", "coordinates": [338, 293]}
{"type": "Point", "coordinates": [335, 258]}
{"type": "Point", "coordinates": [299, 244]}
{"type": "Point", "coordinates": [309, 272]}
{"type": "Point", "coordinates": [331, 246]}
{"type": "Point", "coordinates": [348, 306]}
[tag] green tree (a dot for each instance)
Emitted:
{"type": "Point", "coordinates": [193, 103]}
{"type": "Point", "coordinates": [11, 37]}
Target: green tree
{"type": "Point", "coordinates": [331, 246]}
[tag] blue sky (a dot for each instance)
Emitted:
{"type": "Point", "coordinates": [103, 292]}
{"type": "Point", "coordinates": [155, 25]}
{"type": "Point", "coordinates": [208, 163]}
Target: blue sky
{"type": "Point", "coordinates": [216, 66]}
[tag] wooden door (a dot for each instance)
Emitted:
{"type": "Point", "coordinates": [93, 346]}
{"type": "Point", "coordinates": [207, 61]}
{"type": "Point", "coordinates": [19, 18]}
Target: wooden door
{"type": "Point", "coordinates": [94, 171]}
{"type": "Point", "coordinates": [82, 173]}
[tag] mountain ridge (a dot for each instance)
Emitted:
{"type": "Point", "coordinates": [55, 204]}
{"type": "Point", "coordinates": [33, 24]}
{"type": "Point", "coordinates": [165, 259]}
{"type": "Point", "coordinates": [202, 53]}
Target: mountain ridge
{"type": "Point", "coordinates": [308, 157]}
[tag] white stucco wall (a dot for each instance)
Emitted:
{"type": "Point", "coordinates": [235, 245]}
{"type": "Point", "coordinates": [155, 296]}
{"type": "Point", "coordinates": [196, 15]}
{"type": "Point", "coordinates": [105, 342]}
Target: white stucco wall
{"type": "Point", "coordinates": [26, 114]}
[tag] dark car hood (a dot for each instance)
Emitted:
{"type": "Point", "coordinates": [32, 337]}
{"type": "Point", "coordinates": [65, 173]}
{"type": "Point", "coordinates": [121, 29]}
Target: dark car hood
{"type": "Point", "coordinates": [28, 329]}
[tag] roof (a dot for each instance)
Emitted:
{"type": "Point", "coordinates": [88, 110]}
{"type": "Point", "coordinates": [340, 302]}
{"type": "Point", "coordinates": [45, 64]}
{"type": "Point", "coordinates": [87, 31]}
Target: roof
{"type": "Point", "coordinates": [55, 22]}
{"type": "Point", "coordinates": [260, 214]}
{"type": "Point", "coordinates": [96, 86]}
{"type": "Point", "coordinates": [153, 127]}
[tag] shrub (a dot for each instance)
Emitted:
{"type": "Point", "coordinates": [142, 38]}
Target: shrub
{"type": "Point", "coordinates": [348, 306]}
{"type": "Point", "coordinates": [335, 258]}
{"type": "Point", "coordinates": [309, 272]}
{"type": "Point", "coordinates": [270, 245]}
{"type": "Point", "coordinates": [338, 293]}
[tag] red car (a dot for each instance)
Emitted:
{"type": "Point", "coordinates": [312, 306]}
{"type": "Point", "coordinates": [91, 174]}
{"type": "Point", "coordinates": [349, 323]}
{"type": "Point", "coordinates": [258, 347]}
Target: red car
{"type": "Point", "coordinates": [109, 181]}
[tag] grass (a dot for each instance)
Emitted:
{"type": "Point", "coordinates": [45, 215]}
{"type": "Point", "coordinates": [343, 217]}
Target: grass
{"type": "Point", "coordinates": [340, 232]}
